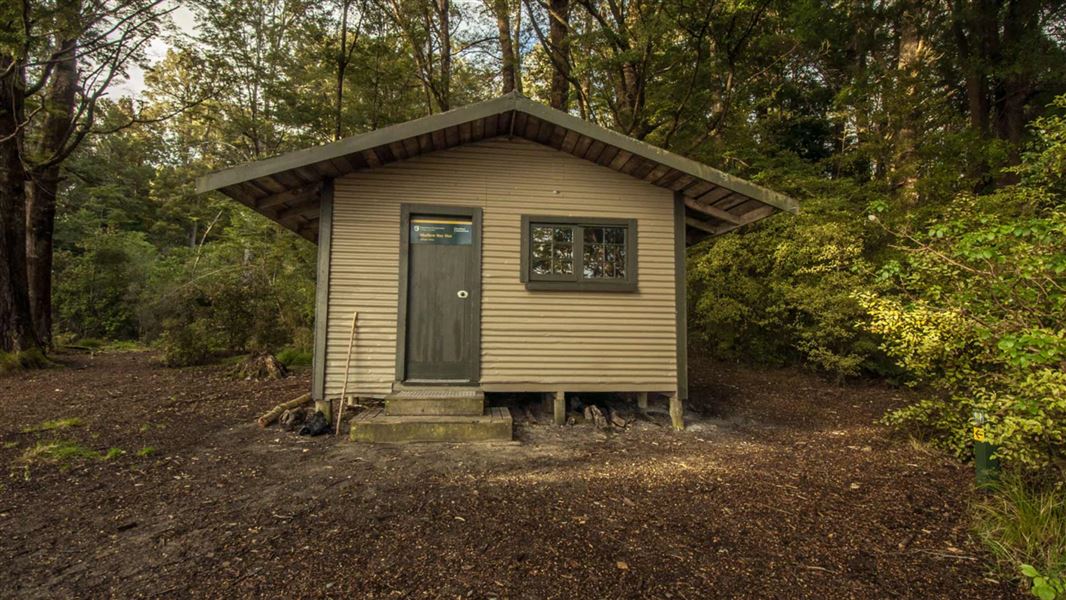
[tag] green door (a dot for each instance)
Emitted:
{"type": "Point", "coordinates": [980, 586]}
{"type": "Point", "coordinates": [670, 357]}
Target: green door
{"type": "Point", "coordinates": [443, 285]}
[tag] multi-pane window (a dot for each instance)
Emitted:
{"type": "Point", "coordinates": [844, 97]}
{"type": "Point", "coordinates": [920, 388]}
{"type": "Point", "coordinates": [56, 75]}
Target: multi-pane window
{"type": "Point", "coordinates": [553, 250]}
{"type": "Point", "coordinates": [565, 253]}
{"type": "Point", "coordinates": [604, 255]}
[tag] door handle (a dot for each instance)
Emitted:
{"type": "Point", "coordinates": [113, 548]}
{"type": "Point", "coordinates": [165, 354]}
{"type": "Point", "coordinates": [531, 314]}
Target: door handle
{"type": "Point", "coordinates": [463, 294]}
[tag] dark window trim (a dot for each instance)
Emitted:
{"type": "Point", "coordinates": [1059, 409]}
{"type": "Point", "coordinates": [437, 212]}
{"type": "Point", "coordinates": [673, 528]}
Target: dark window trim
{"type": "Point", "coordinates": [629, 284]}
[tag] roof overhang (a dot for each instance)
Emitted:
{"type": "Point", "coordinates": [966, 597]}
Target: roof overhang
{"type": "Point", "coordinates": [286, 188]}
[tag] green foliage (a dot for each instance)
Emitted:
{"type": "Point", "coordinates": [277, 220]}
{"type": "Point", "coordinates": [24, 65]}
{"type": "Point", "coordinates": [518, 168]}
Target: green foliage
{"type": "Point", "coordinates": [1023, 523]}
{"type": "Point", "coordinates": [99, 283]}
{"type": "Point", "coordinates": [146, 451]}
{"type": "Point", "coordinates": [54, 424]}
{"type": "Point", "coordinates": [1043, 586]}
{"type": "Point", "coordinates": [781, 292]}
{"type": "Point", "coordinates": [185, 343]}
{"type": "Point", "coordinates": [19, 361]}
{"type": "Point", "coordinates": [251, 290]}
{"type": "Point", "coordinates": [112, 454]}
{"type": "Point", "coordinates": [976, 315]}
{"type": "Point", "coordinates": [57, 451]}
{"type": "Point", "coordinates": [295, 357]}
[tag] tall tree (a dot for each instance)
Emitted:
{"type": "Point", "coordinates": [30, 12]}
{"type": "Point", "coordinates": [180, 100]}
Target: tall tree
{"type": "Point", "coordinates": [344, 58]}
{"type": "Point", "coordinates": [910, 64]}
{"type": "Point", "coordinates": [559, 46]}
{"type": "Point", "coordinates": [427, 27]}
{"type": "Point", "coordinates": [16, 321]}
{"type": "Point", "coordinates": [1008, 58]}
{"type": "Point", "coordinates": [510, 69]}
{"type": "Point", "coordinates": [48, 111]}
{"type": "Point", "coordinates": [58, 104]}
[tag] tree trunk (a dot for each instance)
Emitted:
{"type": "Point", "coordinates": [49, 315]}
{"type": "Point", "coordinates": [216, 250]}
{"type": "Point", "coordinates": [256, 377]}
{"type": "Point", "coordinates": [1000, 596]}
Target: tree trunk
{"type": "Point", "coordinates": [1016, 86]}
{"type": "Point", "coordinates": [974, 25]}
{"type": "Point", "coordinates": [342, 66]}
{"type": "Point", "coordinates": [508, 70]}
{"type": "Point", "coordinates": [41, 203]}
{"type": "Point", "coordinates": [16, 322]}
{"type": "Point", "coordinates": [559, 43]}
{"type": "Point", "coordinates": [516, 42]}
{"type": "Point", "coordinates": [908, 72]}
{"type": "Point", "coordinates": [444, 20]}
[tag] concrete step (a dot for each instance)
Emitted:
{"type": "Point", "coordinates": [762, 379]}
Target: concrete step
{"type": "Point", "coordinates": [435, 401]}
{"type": "Point", "coordinates": [374, 426]}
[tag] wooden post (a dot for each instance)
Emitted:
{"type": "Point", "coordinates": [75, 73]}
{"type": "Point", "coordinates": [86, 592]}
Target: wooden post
{"type": "Point", "coordinates": [325, 406]}
{"type": "Point", "coordinates": [560, 408]}
{"type": "Point", "coordinates": [677, 412]}
{"type": "Point", "coordinates": [642, 401]}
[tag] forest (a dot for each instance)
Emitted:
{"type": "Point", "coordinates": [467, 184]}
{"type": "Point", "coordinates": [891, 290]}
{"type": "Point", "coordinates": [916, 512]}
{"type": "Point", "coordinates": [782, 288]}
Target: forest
{"type": "Point", "coordinates": [924, 139]}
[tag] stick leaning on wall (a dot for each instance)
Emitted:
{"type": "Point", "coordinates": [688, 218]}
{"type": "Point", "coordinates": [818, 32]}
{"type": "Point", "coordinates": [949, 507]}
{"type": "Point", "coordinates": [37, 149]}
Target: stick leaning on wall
{"type": "Point", "coordinates": [347, 367]}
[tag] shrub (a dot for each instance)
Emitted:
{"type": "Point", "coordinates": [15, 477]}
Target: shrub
{"type": "Point", "coordinates": [25, 360]}
{"type": "Point", "coordinates": [1024, 524]}
{"type": "Point", "coordinates": [781, 292]}
{"type": "Point", "coordinates": [295, 357]}
{"type": "Point", "coordinates": [99, 284]}
{"type": "Point", "coordinates": [978, 322]}
{"type": "Point", "coordinates": [185, 343]}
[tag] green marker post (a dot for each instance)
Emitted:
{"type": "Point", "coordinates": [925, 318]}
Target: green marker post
{"type": "Point", "coordinates": [985, 463]}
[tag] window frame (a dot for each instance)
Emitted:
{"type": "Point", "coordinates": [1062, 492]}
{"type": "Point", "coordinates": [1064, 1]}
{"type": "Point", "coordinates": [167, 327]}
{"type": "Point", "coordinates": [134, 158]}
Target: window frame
{"type": "Point", "coordinates": [578, 282]}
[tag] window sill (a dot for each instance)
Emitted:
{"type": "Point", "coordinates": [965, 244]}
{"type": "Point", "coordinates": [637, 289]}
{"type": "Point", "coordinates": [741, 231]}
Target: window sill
{"type": "Point", "coordinates": [581, 286]}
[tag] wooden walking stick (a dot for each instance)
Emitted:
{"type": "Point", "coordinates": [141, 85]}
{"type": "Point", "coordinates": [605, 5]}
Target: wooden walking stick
{"type": "Point", "coordinates": [347, 367]}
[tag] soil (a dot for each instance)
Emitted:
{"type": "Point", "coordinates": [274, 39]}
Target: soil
{"type": "Point", "coordinates": [783, 485]}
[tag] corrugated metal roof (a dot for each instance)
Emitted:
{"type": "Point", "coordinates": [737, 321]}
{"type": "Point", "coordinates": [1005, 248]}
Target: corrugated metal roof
{"type": "Point", "coordinates": [286, 188]}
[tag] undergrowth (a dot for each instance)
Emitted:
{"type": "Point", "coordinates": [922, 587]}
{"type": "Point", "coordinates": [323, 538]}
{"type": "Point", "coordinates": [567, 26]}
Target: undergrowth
{"type": "Point", "coordinates": [1024, 527]}
{"type": "Point", "coordinates": [295, 357]}
{"type": "Point", "coordinates": [22, 361]}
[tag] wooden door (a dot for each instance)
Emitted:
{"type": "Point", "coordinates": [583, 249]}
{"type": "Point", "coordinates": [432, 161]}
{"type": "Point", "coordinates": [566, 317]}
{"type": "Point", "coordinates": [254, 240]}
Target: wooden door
{"type": "Point", "coordinates": [442, 296]}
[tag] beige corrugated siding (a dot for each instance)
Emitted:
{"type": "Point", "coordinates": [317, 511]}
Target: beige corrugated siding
{"type": "Point", "coordinates": [537, 341]}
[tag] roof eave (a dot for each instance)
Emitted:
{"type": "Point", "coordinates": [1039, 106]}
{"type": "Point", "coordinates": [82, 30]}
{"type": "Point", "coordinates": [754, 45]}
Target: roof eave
{"type": "Point", "coordinates": [351, 145]}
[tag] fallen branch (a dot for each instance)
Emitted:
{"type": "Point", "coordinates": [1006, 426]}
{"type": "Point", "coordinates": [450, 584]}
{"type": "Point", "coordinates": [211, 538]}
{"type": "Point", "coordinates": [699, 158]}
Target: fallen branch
{"type": "Point", "coordinates": [273, 414]}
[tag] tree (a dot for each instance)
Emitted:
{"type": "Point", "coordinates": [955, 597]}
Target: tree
{"type": "Point", "coordinates": [344, 58]}
{"type": "Point", "coordinates": [58, 105]}
{"type": "Point", "coordinates": [427, 28]}
{"type": "Point", "coordinates": [559, 46]}
{"type": "Point", "coordinates": [510, 57]}
{"type": "Point", "coordinates": [49, 109]}
{"type": "Point", "coordinates": [1010, 63]}
{"type": "Point", "coordinates": [16, 321]}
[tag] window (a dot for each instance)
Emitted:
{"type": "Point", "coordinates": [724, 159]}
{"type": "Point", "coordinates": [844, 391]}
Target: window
{"type": "Point", "coordinates": [564, 253]}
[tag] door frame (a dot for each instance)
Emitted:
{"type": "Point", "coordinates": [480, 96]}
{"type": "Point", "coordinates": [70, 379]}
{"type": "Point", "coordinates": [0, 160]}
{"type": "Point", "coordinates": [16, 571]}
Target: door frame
{"type": "Point", "coordinates": [474, 329]}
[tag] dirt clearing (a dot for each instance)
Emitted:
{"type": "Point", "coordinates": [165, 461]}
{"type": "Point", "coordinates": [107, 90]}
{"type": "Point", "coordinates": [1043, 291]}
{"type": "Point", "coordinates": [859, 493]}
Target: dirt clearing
{"type": "Point", "coordinates": [782, 486]}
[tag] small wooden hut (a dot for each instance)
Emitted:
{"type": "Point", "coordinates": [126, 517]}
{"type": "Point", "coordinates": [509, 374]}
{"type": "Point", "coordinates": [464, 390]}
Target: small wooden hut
{"type": "Point", "coordinates": [499, 247]}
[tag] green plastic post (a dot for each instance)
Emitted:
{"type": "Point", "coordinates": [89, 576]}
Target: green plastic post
{"type": "Point", "coordinates": [985, 463]}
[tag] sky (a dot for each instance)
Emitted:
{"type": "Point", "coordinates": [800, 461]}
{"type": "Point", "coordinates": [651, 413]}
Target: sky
{"type": "Point", "coordinates": [184, 22]}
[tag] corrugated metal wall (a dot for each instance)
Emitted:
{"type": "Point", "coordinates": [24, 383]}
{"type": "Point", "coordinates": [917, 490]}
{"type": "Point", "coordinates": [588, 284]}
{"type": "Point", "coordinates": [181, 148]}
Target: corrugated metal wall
{"type": "Point", "coordinates": [533, 341]}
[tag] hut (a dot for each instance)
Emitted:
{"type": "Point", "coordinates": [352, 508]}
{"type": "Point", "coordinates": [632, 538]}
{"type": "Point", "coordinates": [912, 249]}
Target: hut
{"type": "Point", "coordinates": [499, 247]}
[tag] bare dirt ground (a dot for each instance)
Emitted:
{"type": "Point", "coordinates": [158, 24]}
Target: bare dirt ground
{"type": "Point", "coordinates": [783, 486]}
